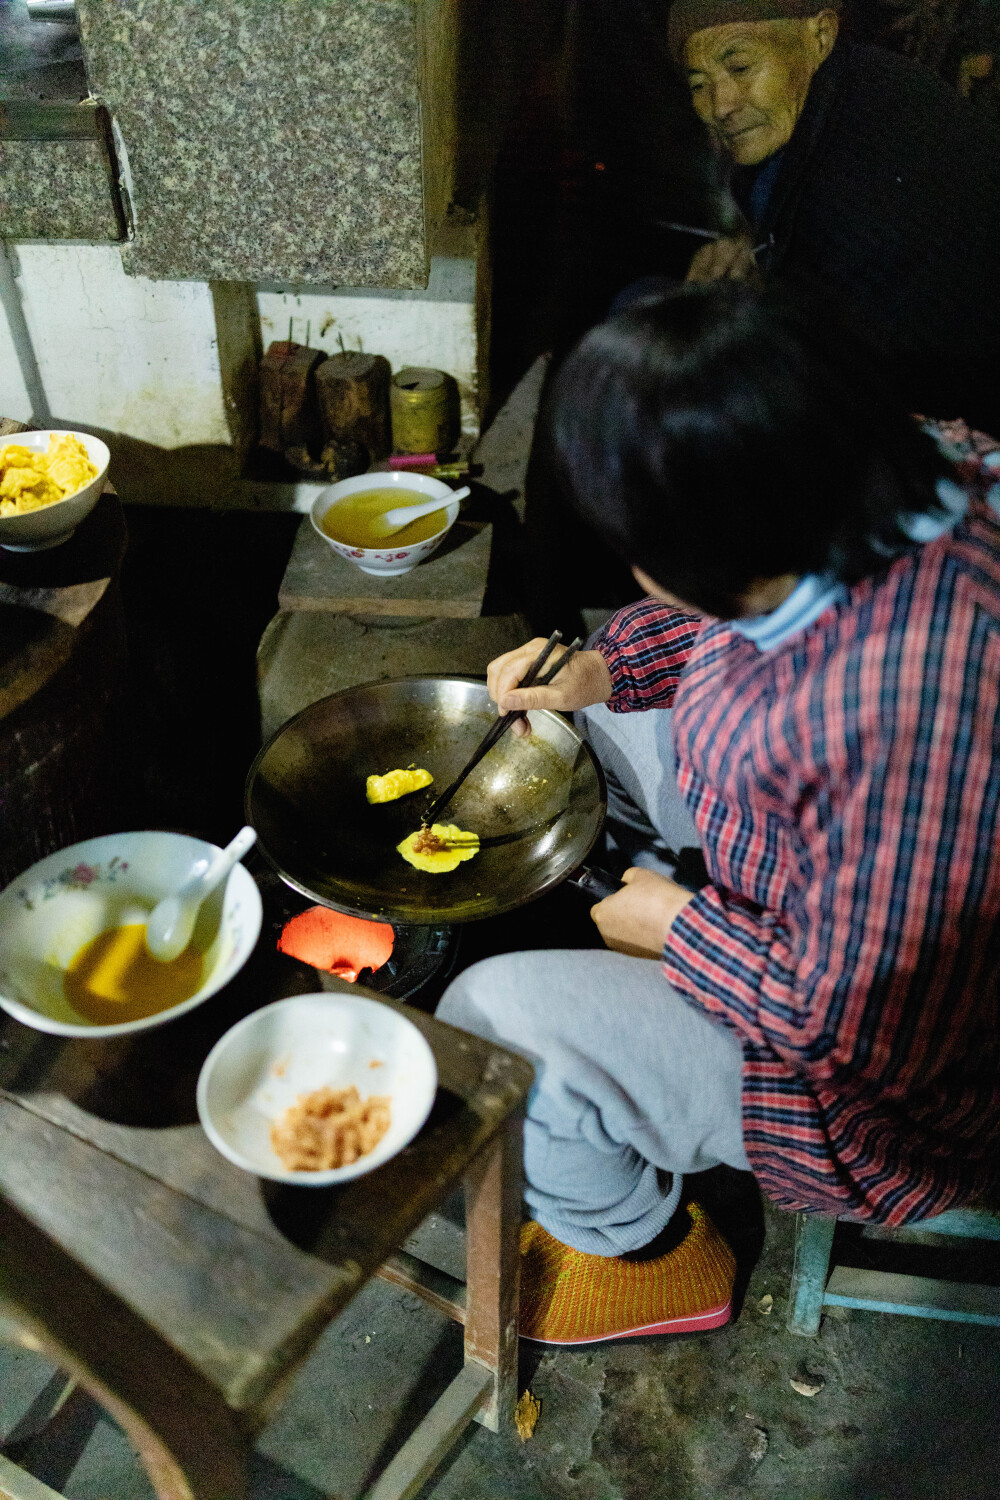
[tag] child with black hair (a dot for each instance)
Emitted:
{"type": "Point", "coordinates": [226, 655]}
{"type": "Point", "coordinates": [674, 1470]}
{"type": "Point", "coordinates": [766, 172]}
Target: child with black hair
{"type": "Point", "coordinates": [811, 691]}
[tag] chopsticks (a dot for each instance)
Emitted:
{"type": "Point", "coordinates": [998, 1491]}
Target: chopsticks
{"type": "Point", "coordinates": [710, 234]}
{"type": "Point", "coordinates": [499, 729]}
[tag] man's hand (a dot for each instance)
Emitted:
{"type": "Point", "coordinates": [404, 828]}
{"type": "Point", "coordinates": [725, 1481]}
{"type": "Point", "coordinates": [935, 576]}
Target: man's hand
{"type": "Point", "coordinates": [636, 920]}
{"type": "Point", "coordinates": [725, 259]}
{"type": "Point", "coordinates": [586, 680]}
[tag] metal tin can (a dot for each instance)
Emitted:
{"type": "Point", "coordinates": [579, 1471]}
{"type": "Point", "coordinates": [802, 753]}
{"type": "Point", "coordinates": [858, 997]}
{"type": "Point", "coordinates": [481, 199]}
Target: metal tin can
{"type": "Point", "coordinates": [425, 411]}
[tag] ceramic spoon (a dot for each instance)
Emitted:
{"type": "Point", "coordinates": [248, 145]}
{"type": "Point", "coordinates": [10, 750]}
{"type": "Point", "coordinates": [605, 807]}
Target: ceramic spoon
{"type": "Point", "coordinates": [171, 922]}
{"type": "Point", "coordinates": [402, 515]}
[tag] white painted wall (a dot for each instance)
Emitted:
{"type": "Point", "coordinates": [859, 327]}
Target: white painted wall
{"type": "Point", "coordinates": [14, 400]}
{"type": "Point", "coordinates": [121, 353]}
{"type": "Point", "coordinates": [435, 328]}
{"type": "Point", "coordinates": [136, 360]}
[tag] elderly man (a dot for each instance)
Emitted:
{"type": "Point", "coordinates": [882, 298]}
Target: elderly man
{"type": "Point", "coordinates": [856, 174]}
{"type": "Point", "coordinates": [859, 172]}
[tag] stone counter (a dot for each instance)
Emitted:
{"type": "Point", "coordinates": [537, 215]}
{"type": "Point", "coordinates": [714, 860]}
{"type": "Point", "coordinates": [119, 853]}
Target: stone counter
{"type": "Point", "coordinates": [277, 141]}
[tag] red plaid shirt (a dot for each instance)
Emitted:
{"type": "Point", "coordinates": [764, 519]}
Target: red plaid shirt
{"type": "Point", "coordinates": [846, 786]}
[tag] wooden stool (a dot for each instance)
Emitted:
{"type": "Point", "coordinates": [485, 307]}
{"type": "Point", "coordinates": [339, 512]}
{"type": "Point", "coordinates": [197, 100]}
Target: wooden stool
{"type": "Point", "coordinates": [182, 1296]}
{"type": "Point", "coordinates": [818, 1282]}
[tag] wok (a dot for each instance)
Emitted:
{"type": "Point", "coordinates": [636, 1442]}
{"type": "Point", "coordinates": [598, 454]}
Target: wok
{"type": "Point", "coordinates": [537, 803]}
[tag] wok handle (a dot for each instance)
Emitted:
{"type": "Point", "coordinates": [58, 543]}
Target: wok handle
{"type": "Point", "coordinates": [690, 872]}
{"type": "Point", "coordinates": [597, 884]}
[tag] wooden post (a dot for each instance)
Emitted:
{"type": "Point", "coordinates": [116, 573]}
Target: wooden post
{"type": "Point", "coordinates": [493, 1232]}
{"type": "Point", "coordinates": [810, 1269]}
{"type": "Point", "coordinates": [353, 392]}
{"type": "Point", "coordinates": [289, 414]}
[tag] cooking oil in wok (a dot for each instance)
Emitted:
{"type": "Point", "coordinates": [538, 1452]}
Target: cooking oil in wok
{"type": "Point", "coordinates": [350, 520]}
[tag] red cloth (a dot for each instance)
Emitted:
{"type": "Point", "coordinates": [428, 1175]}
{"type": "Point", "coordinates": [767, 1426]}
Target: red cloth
{"type": "Point", "coordinates": [333, 941]}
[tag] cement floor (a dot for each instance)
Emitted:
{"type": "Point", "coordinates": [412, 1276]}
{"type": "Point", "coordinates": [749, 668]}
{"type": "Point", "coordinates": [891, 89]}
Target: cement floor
{"type": "Point", "coordinates": [907, 1412]}
{"type": "Point", "coordinates": [907, 1408]}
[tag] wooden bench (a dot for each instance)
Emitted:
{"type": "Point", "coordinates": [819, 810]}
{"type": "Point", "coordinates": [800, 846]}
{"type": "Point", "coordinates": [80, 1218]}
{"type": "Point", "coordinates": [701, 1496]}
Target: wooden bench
{"type": "Point", "coordinates": [183, 1293]}
{"type": "Point", "coordinates": [818, 1281]}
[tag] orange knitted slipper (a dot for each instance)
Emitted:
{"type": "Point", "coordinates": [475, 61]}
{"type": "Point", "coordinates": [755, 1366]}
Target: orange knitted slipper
{"type": "Point", "coordinates": [568, 1297]}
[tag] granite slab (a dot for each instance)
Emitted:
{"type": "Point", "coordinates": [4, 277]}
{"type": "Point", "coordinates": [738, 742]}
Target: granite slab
{"type": "Point", "coordinates": [55, 190]}
{"type": "Point", "coordinates": [451, 584]}
{"type": "Point", "coordinates": [276, 141]}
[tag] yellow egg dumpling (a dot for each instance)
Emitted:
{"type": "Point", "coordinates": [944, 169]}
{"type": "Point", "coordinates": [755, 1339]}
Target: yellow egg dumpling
{"type": "Point", "coordinates": [30, 480]}
{"type": "Point", "coordinates": [396, 784]}
{"type": "Point", "coordinates": [439, 849]}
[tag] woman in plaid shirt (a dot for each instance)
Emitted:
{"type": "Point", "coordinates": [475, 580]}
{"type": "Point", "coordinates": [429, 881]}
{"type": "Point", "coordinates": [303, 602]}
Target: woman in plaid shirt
{"type": "Point", "coordinates": [824, 627]}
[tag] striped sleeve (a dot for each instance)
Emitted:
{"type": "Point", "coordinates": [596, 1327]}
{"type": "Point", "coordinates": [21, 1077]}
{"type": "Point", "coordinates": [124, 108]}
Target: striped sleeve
{"type": "Point", "coordinates": [721, 951]}
{"type": "Point", "coordinates": [646, 647]}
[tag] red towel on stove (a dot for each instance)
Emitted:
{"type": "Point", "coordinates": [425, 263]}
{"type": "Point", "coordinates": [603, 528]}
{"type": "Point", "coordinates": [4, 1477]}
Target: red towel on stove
{"type": "Point", "coordinates": [333, 941]}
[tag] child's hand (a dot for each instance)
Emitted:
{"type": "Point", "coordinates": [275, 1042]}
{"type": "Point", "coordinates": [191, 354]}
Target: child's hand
{"type": "Point", "coordinates": [584, 681]}
{"type": "Point", "coordinates": [637, 918]}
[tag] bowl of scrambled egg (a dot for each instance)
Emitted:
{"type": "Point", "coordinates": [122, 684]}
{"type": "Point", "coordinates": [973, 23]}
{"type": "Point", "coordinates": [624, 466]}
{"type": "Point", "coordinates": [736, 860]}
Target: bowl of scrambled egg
{"type": "Point", "coordinates": [49, 481]}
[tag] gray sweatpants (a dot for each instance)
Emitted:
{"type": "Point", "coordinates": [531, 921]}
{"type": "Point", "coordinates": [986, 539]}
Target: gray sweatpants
{"type": "Point", "coordinates": [633, 1086]}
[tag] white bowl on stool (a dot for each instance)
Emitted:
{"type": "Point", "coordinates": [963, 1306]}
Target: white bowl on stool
{"type": "Point", "coordinates": [387, 561]}
{"type": "Point", "coordinates": [264, 1063]}
{"type": "Point", "coordinates": [51, 525]}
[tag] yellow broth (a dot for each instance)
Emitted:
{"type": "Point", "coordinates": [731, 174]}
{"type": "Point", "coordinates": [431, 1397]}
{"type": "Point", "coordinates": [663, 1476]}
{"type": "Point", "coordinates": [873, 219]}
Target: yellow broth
{"type": "Point", "coordinates": [350, 520]}
{"type": "Point", "coordinates": [115, 978]}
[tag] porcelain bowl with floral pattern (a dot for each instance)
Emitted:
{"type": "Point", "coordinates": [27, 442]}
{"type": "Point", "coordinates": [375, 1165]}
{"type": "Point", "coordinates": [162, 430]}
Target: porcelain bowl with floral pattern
{"type": "Point", "coordinates": [388, 561]}
{"type": "Point", "coordinates": [63, 902]}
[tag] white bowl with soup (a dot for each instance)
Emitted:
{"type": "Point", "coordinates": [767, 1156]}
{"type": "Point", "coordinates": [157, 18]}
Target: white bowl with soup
{"type": "Point", "coordinates": [73, 958]}
{"type": "Point", "coordinates": [344, 515]}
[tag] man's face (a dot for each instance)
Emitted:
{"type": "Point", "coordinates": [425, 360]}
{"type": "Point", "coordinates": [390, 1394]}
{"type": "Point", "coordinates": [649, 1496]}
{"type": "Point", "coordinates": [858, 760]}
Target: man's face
{"type": "Point", "coordinates": [749, 80]}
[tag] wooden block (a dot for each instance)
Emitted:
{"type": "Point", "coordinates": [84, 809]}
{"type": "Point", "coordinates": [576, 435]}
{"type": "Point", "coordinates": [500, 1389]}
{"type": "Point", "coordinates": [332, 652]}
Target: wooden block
{"type": "Point", "coordinates": [437, 1434]}
{"type": "Point", "coordinates": [416, 1276]}
{"type": "Point", "coordinates": [452, 583]}
{"type": "Point", "coordinates": [493, 1217]}
{"type": "Point", "coordinates": [289, 410]}
{"type": "Point", "coordinates": [353, 392]}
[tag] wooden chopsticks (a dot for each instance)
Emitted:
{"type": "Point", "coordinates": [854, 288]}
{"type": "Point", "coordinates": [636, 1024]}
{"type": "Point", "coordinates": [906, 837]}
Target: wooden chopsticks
{"type": "Point", "coordinates": [499, 729]}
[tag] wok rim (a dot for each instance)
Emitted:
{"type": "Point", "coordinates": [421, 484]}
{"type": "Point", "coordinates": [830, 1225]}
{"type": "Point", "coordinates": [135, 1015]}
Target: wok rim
{"type": "Point", "coordinates": [443, 920]}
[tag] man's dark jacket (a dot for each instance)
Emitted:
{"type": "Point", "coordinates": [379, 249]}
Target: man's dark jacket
{"type": "Point", "coordinates": [888, 198]}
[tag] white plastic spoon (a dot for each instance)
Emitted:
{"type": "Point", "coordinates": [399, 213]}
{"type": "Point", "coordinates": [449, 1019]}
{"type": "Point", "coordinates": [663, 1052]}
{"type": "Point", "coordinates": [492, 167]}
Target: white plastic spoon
{"type": "Point", "coordinates": [402, 515]}
{"type": "Point", "coordinates": [171, 922]}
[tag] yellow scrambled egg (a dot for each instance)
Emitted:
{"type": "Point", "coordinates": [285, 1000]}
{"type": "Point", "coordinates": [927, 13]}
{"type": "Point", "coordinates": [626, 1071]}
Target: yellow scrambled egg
{"type": "Point", "coordinates": [29, 480]}
{"type": "Point", "coordinates": [397, 784]}
{"type": "Point", "coordinates": [439, 849]}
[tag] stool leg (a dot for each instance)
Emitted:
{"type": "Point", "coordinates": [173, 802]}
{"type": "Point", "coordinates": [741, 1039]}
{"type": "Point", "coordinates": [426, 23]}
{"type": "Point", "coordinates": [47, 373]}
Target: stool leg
{"type": "Point", "coordinates": [493, 1230]}
{"type": "Point", "coordinates": [810, 1271]}
{"type": "Point", "coordinates": [190, 1443]}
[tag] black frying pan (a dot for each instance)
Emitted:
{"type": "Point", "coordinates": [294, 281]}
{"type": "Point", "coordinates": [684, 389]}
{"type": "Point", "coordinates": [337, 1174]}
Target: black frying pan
{"type": "Point", "coordinates": [537, 803]}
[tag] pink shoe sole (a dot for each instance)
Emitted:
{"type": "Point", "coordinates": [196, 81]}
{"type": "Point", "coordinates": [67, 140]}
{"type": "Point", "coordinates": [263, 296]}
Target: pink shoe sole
{"type": "Point", "coordinates": [715, 1317]}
